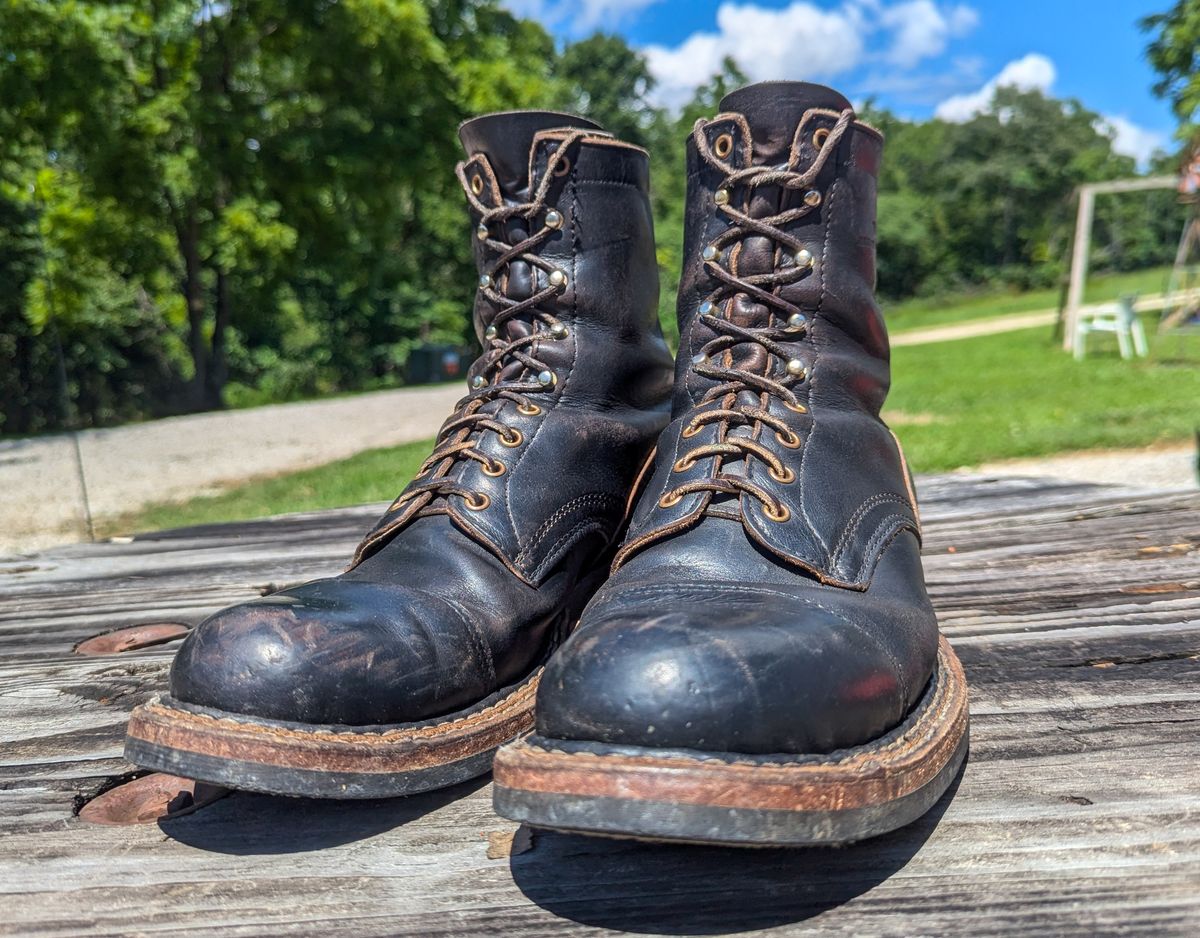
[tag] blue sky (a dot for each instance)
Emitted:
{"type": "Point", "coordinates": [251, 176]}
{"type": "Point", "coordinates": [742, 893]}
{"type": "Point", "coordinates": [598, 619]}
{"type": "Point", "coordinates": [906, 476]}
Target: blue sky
{"type": "Point", "coordinates": [917, 57]}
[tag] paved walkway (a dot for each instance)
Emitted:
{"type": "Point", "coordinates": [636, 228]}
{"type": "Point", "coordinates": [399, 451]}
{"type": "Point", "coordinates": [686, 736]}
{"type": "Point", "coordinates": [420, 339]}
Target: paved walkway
{"type": "Point", "coordinates": [1155, 467]}
{"type": "Point", "coordinates": [47, 484]}
{"type": "Point", "coordinates": [1012, 322]}
{"type": "Point", "coordinates": [42, 488]}
{"type": "Point", "coordinates": [992, 325]}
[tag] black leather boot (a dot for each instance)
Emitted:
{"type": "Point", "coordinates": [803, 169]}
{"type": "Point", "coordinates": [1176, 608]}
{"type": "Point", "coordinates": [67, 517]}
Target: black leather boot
{"type": "Point", "coordinates": [763, 666]}
{"type": "Point", "coordinates": [408, 671]}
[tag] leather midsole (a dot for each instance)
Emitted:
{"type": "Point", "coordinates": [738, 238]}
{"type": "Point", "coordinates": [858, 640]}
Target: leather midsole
{"type": "Point", "coordinates": [379, 749]}
{"type": "Point", "coordinates": [870, 774]}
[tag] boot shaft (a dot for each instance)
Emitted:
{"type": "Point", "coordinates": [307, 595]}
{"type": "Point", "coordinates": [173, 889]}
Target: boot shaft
{"type": "Point", "coordinates": [573, 382]}
{"type": "Point", "coordinates": [783, 362]}
{"type": "Point", "coordinates": [786, 126]}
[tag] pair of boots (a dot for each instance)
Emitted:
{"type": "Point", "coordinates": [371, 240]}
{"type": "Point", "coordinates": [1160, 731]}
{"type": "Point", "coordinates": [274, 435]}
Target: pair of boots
{"type": "Point", "coordinates": [707, 578]}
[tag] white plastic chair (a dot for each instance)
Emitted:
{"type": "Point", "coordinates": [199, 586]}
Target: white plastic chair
{"type": "Point", "coordinates": [1119, 318]}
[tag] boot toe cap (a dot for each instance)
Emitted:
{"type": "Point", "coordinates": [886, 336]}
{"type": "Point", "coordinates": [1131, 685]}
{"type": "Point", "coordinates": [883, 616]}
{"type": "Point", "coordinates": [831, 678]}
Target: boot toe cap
{"type": "Point", "coordinates": [332, 652]}
{"type": "Point", "coordinates": [770, 676]}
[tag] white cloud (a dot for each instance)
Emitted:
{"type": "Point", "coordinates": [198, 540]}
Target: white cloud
{"type": "Point", "coordinates": [1034, 71]}
{"type": "Point", "coordinates": [1131, 140]}
{"type": "Point", "coordinates": [922, 29]}
{"type": "Point", "coordinates": [797, 41]}
{"type": "Point", "coordinates": [802, 40]}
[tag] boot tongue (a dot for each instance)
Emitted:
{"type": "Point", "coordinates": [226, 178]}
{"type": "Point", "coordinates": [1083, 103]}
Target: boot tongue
{"type": "Point", "coordinates": [773, 109]}
{"type": "Point", "coordinates": [505, 139]}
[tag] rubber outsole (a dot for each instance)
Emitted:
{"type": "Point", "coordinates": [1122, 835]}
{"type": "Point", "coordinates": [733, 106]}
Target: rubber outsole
{"type": "Point", "coordinates": [305, 760]}
{"type": "Point", "coordinates": [741, 800]}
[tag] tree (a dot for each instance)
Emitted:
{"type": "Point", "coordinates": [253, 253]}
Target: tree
{"type": "Point", "coordinates": [609, 82]}
{"type": "Point", "coordinates": [1174, 52]}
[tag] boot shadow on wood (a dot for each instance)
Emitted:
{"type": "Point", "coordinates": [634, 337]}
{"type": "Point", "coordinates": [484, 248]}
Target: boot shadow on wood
{"type": "Point", "coordinates": [666, 889]}
{"type": "Point", "coordinates": [249, 824]}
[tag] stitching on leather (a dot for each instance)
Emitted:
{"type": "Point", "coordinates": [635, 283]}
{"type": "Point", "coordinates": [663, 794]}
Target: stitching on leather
{"type": "Point", "coordinates": [897, 738]}
{"type": "Point", "coordinates": [511, 702]}
{"type": "Point", "coordinates": [571, 192]}
{"type": "Point", "coordinates": [584, 526]}
{"type": "Point", "coordinates": [597, 498]}
{"type": "Point", "coordinates": [883, 531]}
{"type": "Point", "coordinates": [851, 527]}
{"type": "Point", "coordinates": [833, 203]}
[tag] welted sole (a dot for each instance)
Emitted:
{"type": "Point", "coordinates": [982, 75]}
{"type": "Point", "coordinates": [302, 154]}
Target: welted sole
{"type": "Point", "coordinates": [281, 758]}
{"type": "Point", "coordinates": [739, 800]}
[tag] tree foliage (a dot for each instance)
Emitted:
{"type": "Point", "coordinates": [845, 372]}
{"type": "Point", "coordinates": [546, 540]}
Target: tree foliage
{"type": "Point", "coordinates": [1174, 52]}
{"type": "Point", "coordinates": [215, 203]}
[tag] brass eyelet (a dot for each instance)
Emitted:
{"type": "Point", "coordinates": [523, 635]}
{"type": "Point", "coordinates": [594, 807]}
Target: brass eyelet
{"type": "Point", "coordinates": [787, 476]}
{"type": "Point", "coordinates": [477, 184]}
{"type": "Point", "coordinates": [563, 167]}
{"type": "Point", "coordinates": [493, 469]}
{"type": "Point", "coordinates": [781, 517]}
{"type": "Point", "coordinates": [820, 135]}
{"type": "Point", "coordinates": [477, 501]}
{"type": "Point", "coordinates": [512, 439]}
{"type": "Point", "coordinates": [531, 411]}
{"type": "Point", "coordinates": [795, 408]}
{"type": "Point", "coordinates": [723, 145]}
{"type": "Point", "coordinates": [791, 440]}
{"type": "Point", "coordinates": [692, 429]}
{"type": "Point", "coordinates": [670, 500]}
{"type": "Point", "coordinates": [683, 464]}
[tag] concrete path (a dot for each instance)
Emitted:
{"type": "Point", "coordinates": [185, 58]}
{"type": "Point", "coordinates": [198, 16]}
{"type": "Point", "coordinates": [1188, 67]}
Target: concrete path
{"type": "Point", "coordinates": [992, 325]}
{"type": "Point", "coordinates": [1155, 467]}
{"type": "Point", "coordinates": [1011, 322]}
{"type": "Point", "coordinates": [42, 488]}
{"type": "Point", "coordinates": [47, 484]}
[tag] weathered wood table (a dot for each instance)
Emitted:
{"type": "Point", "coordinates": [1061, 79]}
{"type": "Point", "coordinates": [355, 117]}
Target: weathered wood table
{"type": "Point", "coordinates": [1075, 609]}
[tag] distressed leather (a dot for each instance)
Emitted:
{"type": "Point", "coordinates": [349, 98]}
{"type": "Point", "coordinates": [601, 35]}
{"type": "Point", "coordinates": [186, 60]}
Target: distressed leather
{"type": "Point", "coordinates": [721, 627]}
{"type": "Point", "coordinates": [445, 605]}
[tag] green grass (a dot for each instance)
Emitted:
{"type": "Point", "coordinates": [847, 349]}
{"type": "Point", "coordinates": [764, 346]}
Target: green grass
{"type": "Point", "coordinates": [374, 476]}
{"type": "Point", "coordinates": [1018, 394]}
{"type": "Point", "coordinates": [966, 402]}
{"type": "Point", "coordinates": [937, 311]}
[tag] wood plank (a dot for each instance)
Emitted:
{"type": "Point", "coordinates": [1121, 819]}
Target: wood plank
{"type": "Point", "coordinates": [1075, 610]}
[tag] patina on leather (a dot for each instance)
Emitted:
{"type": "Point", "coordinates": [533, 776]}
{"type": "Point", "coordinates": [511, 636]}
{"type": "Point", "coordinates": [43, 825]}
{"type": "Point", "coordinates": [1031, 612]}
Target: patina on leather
{"type": "Point", "coordinates": [769, 595]}
{"type": "Point", "coordinates": [486, 558]}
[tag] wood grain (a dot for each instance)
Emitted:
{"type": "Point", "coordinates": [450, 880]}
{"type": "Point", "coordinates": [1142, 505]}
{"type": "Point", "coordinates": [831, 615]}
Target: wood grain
{"type": "Point", "coordinates": [1074, 609]}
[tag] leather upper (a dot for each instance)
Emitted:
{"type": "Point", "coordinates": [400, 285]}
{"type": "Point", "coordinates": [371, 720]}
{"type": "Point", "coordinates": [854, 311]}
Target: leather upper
{"type": "Point", "coordinates": [472, 576]}
{"type": "Point", "coordinates": [768, 597]}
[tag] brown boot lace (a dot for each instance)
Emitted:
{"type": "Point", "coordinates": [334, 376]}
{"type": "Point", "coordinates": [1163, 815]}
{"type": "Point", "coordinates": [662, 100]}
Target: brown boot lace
{"type": "Point", "coordinates": [786, 324]}
{"type": "Point", "coordinates": [458, 437]}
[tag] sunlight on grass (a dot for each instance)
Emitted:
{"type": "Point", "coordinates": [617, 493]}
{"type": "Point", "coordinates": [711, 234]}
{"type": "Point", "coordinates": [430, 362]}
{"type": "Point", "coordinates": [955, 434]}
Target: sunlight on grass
{"type": "Point", "coordinates": [952, 404]}
{"type": "Point", "coordinates": [1018, 394]}
{"type": "Point", "coordinates": [374, 476]}
{"type": "Point", "coordinates": [918, 313]}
